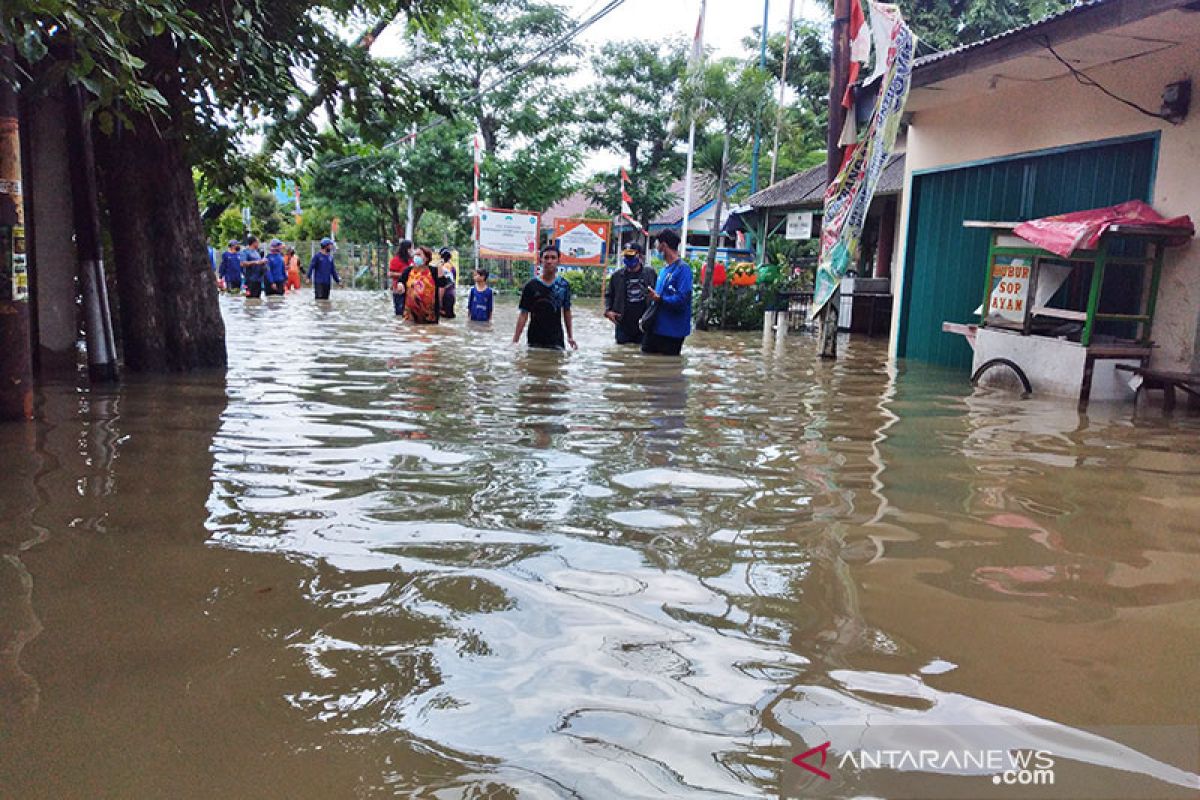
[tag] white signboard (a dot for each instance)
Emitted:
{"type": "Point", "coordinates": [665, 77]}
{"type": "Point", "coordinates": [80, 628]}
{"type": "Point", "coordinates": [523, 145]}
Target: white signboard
{"type": "Point", "coordinates": [508, 234]}
{"type": "Point", "coordinates": [799, 225]}
{"type": "Point", "coordinates": [581, 243]}
{"type": "Point", "coordinates": [1009, 299]}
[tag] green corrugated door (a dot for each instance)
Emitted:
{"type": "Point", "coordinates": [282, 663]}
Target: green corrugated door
{"type": "Point", "coordinates": [944, 268]}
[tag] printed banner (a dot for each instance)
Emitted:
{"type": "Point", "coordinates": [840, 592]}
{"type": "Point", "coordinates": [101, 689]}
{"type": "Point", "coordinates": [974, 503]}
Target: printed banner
{"type": "Point", "coordinates": [582, 242]}
{"type": "Point", "coordinates": [508, 234]}
{"type": "Point", "coordinates": [848, 198]}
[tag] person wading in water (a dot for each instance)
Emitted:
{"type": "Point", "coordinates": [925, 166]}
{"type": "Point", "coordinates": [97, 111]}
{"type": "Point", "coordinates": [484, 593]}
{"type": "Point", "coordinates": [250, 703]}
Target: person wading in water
{"type": "Point", "coordinates": [546, 307]}
{"type": "Point", "coordinates": [419, 284]}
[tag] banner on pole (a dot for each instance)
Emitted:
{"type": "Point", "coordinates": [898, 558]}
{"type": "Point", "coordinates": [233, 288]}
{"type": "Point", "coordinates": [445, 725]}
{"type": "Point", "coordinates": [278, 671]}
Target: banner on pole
{"type": "Point", "coordinates": [582, 242]}
{"type": "Point", "coordinates": [504, 233]}
{"type": "Point", "coordinates": [848, 198]}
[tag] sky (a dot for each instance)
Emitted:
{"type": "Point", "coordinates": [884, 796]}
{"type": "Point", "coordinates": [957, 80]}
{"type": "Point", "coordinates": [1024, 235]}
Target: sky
{"type": "Point", "coordinates": [727, 22]}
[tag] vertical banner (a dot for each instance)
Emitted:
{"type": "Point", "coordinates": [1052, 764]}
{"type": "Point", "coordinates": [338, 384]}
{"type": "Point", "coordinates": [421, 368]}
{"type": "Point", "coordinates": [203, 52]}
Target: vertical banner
{"type": "Point", "coordinates": [848, 198]}
{"type": "Point", "coordinates": [505, 233]}
{"type": "Point", "coordinates": [582, 242]}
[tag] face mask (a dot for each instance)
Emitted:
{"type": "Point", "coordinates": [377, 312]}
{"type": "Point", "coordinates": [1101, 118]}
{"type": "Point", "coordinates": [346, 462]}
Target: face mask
{"type": "Point", "coordinates": [419, 261]}
{"type": "Point", "coordinates": [631, 261]}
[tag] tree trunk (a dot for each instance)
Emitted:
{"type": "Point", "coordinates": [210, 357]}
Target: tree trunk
{"type": "Point", "coordinates": [714, 232]}
{"type": "Point", "coordinates": [170, 318]}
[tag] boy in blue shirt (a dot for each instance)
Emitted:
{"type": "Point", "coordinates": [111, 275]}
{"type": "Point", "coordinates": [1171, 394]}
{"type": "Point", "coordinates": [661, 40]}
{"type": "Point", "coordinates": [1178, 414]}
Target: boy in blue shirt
{"type": "Point", "coordinates": [479, 302]}
{"type": "Point", "coordinates": [322, 270]}
{"type": "Point", "coordinates": [673, 293]}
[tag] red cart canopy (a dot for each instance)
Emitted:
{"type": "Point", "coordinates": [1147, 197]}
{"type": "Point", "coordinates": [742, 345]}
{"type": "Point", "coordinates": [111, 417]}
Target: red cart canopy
{"type": "Point", "coordinates": [1063, 234]}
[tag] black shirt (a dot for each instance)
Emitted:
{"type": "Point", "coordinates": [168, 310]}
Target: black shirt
{"type": "Point", "coordinates": [545, 305]}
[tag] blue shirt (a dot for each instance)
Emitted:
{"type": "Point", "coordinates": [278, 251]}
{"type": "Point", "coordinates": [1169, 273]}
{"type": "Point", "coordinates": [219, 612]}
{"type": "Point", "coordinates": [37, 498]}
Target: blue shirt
{"type": "Point", "coordinates": [321, 268]}
{"type": "Point", "coordinates": [277, 268]}
{"type": "Point", "coordinates": [256, 272]}
{"type": "Point", "coordinates": [674, 319]}
{"type": "Point", "coordinates": [231, 267]}
{"type": "Point", "coordinates": [479, 304]}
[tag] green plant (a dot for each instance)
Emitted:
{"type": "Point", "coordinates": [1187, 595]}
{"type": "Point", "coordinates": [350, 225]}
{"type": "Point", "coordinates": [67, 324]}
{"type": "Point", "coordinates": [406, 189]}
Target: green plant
{"type": "Point", "coordinates": [585, 281]}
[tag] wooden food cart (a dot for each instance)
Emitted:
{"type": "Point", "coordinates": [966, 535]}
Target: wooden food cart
{"type": "Point", "coordinates": [1063, 325]}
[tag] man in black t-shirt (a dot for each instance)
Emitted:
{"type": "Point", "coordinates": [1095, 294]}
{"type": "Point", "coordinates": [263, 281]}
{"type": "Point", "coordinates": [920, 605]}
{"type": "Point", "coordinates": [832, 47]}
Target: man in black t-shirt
{"type": "Point", "coordinates": [546, 306]}
{"type": "Point", "coordinates": [626, 297]}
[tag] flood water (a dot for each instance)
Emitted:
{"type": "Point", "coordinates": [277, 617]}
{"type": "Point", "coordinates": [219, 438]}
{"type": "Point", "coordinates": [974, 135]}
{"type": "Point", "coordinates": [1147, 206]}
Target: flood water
{"type": "Point", "coordinates": [374, 560]}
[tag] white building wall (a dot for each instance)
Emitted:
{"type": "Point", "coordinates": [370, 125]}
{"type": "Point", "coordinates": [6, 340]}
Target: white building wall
{"type": "Point", "coordinates": [1017, 118]}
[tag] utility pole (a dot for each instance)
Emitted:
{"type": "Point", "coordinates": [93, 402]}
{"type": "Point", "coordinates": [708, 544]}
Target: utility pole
{"type": "Point", "coordinates": [408, 225]}
{"type": "Point", "coordinates": [101, 345]}
{"type": "Point", "coordinates": [839, 72]}
{"type": "Point", "coordinates": [783, 70]}
{"type": "Point", "coordinates": [16, 351]}
{"type": "Point", "coordinates": [762, 64]}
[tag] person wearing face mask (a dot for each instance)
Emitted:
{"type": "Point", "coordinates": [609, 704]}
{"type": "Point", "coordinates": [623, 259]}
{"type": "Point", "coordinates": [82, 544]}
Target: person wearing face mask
{"type": "Point", "coordinates": [673, 293]}
{"type": "Point", "coordinates": [419, 283]}
{"type": "Point", "coordinates": [627, 295]}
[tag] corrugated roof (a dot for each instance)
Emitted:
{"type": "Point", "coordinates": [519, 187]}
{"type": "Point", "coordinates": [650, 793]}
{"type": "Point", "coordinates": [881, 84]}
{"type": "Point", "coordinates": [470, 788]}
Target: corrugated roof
{"type": "Point", "coordinates": [1080, 6]}
{"type": "Point", "coordinates": [807, 189]}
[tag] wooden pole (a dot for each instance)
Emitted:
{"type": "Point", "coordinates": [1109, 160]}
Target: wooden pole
{"type": "Point", "coordinates": [839, 71]}
{"type": "Point", "coordinates": [16, 350]}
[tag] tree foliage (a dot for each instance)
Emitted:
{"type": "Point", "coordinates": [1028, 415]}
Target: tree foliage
{"type": "Point", "coordinates": [524, 121]}
{"type": "Point", "coordinates": [629, 110]}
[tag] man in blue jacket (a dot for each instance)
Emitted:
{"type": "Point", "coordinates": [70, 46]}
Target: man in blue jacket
{"type": "Point", "coordinates": [322, 270]}
{"type": "Point", "coordinates": [231, 267]}
{"type": "Point", "coordinates": [673, 293]}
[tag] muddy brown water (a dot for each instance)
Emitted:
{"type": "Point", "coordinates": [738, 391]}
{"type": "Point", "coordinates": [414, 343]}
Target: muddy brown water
{"type": "Point", "coordinates": [374, 560]}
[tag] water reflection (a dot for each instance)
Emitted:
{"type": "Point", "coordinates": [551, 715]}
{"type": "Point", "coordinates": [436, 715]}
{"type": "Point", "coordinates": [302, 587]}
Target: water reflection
{"type": "Point", "coordinates": [394, 560]}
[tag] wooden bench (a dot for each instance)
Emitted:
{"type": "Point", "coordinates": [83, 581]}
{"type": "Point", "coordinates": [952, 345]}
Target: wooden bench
{"type": "Point", "coordinates": [1168, 382]}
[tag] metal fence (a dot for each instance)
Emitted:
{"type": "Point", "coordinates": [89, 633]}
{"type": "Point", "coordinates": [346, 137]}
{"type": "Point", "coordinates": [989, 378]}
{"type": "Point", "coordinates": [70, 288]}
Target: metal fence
{"type": "Point", "coordinates": [799, 309]}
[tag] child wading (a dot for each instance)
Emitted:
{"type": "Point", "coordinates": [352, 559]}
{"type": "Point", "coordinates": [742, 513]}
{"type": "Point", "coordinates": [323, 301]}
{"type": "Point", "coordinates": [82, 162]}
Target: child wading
{"type": "Point", "coordinates": [479, 301]}
{"type": "Point", "coordinates": [293, 270]}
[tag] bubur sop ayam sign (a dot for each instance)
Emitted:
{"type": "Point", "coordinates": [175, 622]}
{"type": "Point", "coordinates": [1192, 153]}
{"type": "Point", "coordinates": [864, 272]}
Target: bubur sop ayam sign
{"type": "Point", "coordinates": [1010, 291]}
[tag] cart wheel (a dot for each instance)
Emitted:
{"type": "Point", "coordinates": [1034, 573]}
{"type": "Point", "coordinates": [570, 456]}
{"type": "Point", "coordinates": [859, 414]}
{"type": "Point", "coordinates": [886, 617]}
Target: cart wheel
{"type": "Point", "coordinates": [1009, 369]}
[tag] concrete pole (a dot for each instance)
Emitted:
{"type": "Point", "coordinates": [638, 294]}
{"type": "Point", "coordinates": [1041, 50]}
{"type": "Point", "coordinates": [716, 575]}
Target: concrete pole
{"type": "Point", "coordinates": [787, 52]}
{"type": "Point", "coordinates": [50, 230]}
{"type": "Point", "coordinates": [101, 344]}
{"type": "Point", "coordinates": [16, 352]}
{"type": "Point", "coordinates": [762, 64]}
{"type": "Point", "coordinates": [839, 70]}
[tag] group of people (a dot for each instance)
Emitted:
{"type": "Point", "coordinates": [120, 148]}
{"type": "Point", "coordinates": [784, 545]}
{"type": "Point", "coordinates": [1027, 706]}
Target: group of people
{"type": "Point", "coordinates": [650, 309]}
{"type": "Point", "coordinates": [647, 308]}
{"type": "Point", "coordinates": [251, 272]}
{"type": "Point", "coordinates": [423, 291]}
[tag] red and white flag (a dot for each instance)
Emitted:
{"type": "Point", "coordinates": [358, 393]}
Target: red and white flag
{"type": "Point", "coordinates": [626, 200]}
{"type": "Point", "coordinates": [860, 53]}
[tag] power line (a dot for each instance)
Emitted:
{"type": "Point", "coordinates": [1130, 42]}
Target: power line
{"type": "Point", "coordinates": [611, 6]}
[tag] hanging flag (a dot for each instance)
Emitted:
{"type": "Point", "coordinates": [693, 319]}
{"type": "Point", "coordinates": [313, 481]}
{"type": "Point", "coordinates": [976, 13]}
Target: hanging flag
{"type": "Point", "coordinates": [697, 53]}
{"type": "Point", "coordinates": [626, 201]}
{"type": "Point", "coordinates": [860, 52]}
{"type": "Point", "coordinates": [849, 196]}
